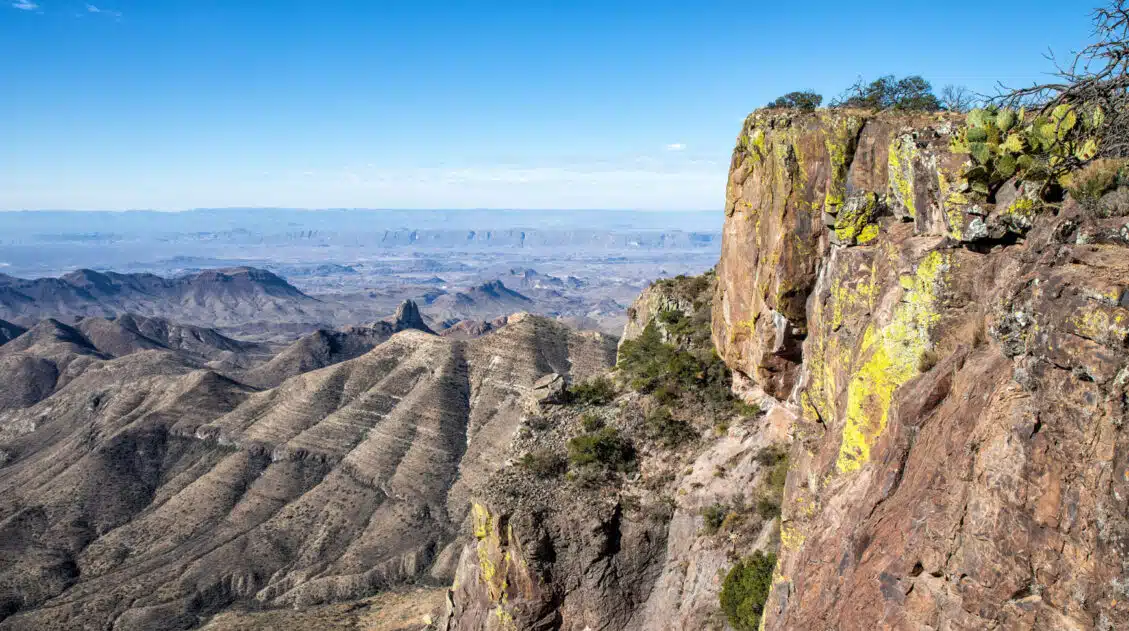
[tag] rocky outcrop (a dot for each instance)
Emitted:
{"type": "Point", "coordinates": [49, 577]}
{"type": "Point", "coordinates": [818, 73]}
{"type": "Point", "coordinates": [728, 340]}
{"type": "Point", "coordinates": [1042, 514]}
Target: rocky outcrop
{"type": "Point", "coordinates": [551, 389]}
{"type": "Point", "coordinates": [408, 317]}
{"type": "Point", "coordinates": [641, 550]}
{"type": "Point", "coordinates": [683, 295]}
{"type": "Point", "coordinates": [959, 370]}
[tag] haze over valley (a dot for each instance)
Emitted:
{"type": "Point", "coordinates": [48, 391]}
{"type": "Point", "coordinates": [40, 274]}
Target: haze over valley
{"type": "Point", "coordinates": [333, 268]}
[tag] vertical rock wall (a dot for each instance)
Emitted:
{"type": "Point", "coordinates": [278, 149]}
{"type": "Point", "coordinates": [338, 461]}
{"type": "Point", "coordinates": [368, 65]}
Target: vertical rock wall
{"type": "Point", "coordinates": [960, 370]}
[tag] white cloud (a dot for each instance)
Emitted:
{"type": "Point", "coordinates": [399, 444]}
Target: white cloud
{"type": "Point", "coordinates": [677, 146]}
{"type": "Point", "coordinates": [25, 5]}
{"type": "Point", "coordinates": [90, 8]}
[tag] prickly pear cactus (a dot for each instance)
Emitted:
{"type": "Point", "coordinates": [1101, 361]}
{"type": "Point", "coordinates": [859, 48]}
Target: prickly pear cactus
{"type": "Point", "coordinates": [1005, 143]}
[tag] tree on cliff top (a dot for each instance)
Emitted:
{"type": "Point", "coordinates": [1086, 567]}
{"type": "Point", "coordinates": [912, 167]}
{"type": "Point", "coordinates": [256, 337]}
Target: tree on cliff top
{"type": "Point", "coordinates": [806, 100]}
{"type": "Point", "coordinates": [957, 98]}
{"type": "Point", "coordinates": [890, 93]}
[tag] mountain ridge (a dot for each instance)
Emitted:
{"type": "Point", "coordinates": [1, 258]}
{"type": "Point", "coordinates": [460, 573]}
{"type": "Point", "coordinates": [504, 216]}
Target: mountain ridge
{"type": "Point", "coordinates": [216, 296]}
{"type": "Point", "coordinates": [166, 491]}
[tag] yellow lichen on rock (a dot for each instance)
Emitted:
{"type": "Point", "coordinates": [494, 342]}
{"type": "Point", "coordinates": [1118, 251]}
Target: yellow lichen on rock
{"type": "Point", "coordinates": [1103, 325]}
{"type": "Point", "coordinates": [481, 519]}
{"type": "Point", "coordinates": [839, 141]}
{"type": "Point", "coordinates": [892, 355]}
{"type": "Point", "coordinates": [867, 234]}
{"type": "Point", "coordinates": [790, 537]}
{"type": "Point", "coordinates": [953, 201]}
{"type": "Point", "coordinates": [901, 174]}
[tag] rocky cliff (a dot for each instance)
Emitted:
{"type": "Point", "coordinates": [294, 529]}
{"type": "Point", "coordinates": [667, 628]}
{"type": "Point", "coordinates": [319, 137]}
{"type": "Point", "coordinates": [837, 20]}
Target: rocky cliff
{"type": "Point", "coordinates": [622, 505]}
{"type": "Point", "coordinates": [957, 366]}
{"type": "Point", "coordinates": [937, 359]}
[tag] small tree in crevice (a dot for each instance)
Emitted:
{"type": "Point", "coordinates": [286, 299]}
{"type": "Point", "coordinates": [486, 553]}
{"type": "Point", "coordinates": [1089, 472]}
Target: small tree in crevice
{"type": "Point", "coordinates": [745, 590]}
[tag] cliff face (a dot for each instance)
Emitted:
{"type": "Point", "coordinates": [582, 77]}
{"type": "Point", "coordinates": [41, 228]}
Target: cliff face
{"type": "Point", "coordinates": [950, 369]}
{"type": "Point", "coordinates": [642, 549]}
{"type": "Point", "coordinates": [958, 369]}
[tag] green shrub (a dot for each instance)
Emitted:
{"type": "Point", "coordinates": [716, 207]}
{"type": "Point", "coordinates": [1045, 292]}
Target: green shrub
{"type": "Point", "coordinates": [712, 517]}
{"type": "Point", "coordinates": [745, 590]}
{"type": "Point", "coordinates": [604, 448]}
{"type": "Point", "coordinates": [543, 463]}
{"type": "Point", "coordinates": [671, 317]}
{"type": "Point", "coordinates": [673, 372]}
{"type": "Point", "coordinates": [779, 476]}
{"type": "Point", "coordinates": [769, 456]}
{"type": "Point", "coordinates": [771, 490]}
{"type": "Point", "coordinates": [768, 507]}
{"type": "Point", "coordinates": [667, 394]}
{"type": "Point", "coordinates": [806, 100]}
{"type": "Point", "coordinates": [591, 422]}
{"type": "Point", "coordinates": [1096, 179]}
{"type": "Point", "coordinates": [596, 391]}
{"type": "Point", "coordinates": [745, 409]}
{"type": "Point", "coordinates": [890, 93]}
{"type": "Point", "coordinates": [666, 429]}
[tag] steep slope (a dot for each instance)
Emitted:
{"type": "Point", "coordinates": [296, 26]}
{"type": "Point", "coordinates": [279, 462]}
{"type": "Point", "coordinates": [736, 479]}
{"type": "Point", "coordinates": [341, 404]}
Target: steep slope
{"type": "Point", "coordinates": [198, 341]}
{"type": "Point", "coordinates": [150, 493]}
{"type": "Point", "coordinates": [668, 479]}
{"type": "Point", "coordinates": [220, 297]}
{"type": "Point", "coordinates": [9, 332]}
{"type": "Point", "coordinates": [53, 353]}
{"type": "Point", "coordinates": [44, 358]}
{"type": "Point", "coordinates": [958, 368]}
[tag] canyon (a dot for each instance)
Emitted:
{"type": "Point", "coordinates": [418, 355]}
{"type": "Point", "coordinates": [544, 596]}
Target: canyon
{"type": "Point", "coordinates": [902, 397]}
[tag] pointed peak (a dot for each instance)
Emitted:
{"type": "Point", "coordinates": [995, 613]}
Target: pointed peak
{"type": "Point", "coordinates": [409, 317]}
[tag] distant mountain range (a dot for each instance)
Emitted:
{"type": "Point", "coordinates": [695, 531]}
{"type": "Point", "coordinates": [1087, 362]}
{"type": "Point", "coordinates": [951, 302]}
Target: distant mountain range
{"type": "Point", "coordinates": [219, 297]}
{"type": "Point", "coordinates": [240, 299]}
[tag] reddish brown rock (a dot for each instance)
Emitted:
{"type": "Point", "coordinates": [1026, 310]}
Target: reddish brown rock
{"type": "Point", "coordinates": [961, 462]}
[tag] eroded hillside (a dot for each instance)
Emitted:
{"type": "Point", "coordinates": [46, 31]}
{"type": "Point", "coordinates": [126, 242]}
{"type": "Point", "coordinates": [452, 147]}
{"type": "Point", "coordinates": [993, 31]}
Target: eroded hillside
{"type": "Point", "coordinates": [625, 499]}
{"type": "Point", "coordinates": [142, 489]}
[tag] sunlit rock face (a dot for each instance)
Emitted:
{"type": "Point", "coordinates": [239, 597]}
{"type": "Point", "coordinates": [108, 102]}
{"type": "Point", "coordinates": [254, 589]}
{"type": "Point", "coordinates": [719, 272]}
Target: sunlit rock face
{"type": "Point", "coordinates": [959, 378]}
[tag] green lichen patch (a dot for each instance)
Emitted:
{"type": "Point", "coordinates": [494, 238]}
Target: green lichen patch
{"type": "Point", "coordinates": [857, 221]}
{"type": "Point", "coordinates": [839, 141]}
{"type": "Point", "coordinates": [892, 356]}
{"type": "Point", "coordinates": [902, 153]}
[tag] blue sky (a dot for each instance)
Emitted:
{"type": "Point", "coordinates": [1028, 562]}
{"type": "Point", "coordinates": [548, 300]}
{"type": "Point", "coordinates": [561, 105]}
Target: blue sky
{"type": "Point", "coordinates": [171, 104]}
